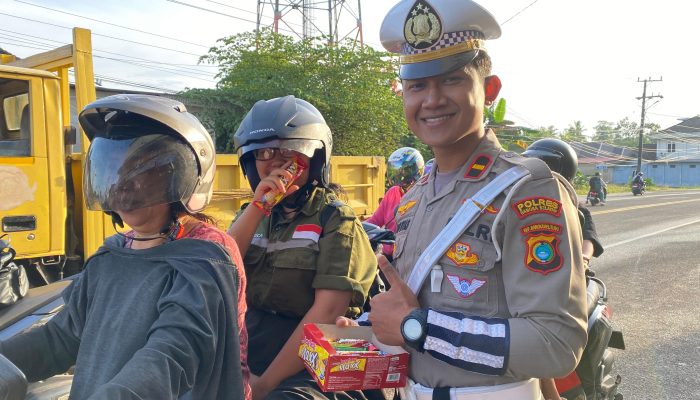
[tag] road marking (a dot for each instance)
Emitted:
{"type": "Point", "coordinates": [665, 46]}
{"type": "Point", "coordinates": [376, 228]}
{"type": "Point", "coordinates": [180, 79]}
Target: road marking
{"type": "Point", "coordinates": [650, 234]}
{"type": "Point", "coordinates": [641, 206]}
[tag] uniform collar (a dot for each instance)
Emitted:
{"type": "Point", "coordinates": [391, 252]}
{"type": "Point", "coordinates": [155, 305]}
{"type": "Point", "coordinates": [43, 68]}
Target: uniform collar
{"type": "Point", "coordinates": [314, 202]}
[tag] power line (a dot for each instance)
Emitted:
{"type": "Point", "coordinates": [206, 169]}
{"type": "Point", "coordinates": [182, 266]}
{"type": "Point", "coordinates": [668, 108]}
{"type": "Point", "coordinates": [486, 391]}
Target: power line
{"type": "Point", "coordinates": [519, 12]}
{"type": "Point", "coordinates": [183, 71]}
{"type": "Point", "coordinates": [109, 23]}
{"type": "Point", "coordinates": [98, 34]}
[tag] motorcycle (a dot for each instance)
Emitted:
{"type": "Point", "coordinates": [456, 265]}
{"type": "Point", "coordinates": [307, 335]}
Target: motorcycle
{"type": "Point", "coordinates": [639, 188]}
{"type": "Point", "coordinates": [34, 309]}
{"type": "Point", "coordinates": [377, 237]}
{"type": "Point", "coordinates": [594, 377]}
{"type": "Point", "coordinates": [592, 198]}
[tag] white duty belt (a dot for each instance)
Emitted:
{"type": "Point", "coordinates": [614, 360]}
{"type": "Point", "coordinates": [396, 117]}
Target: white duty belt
{"type": "Point", "coordinates": [464, 217]}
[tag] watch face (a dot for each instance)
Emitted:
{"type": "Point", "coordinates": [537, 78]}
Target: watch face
{"type": "Point", "coordinates": [412, 329]}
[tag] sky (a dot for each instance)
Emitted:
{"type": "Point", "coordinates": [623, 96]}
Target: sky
{"type": "Point", "coordinates": [559, 61]}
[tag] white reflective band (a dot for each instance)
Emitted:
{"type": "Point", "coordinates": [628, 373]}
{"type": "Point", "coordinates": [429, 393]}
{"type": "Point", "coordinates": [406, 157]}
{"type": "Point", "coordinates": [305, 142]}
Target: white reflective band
{"type": "Point", "coordinates": [462, 353]}
{"type": "Point", "coordinates": [466, 325]}
{"type": "Point", "coordinates": [464, 217]}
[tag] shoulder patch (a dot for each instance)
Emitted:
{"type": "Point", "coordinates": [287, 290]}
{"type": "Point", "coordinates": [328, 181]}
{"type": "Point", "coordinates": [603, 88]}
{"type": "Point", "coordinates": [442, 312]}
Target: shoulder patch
{"type": "Point", "coordinates": [537, 205]}
{"type": "Point", "coordinates": [541, 227]}
{"type": "Point", "coordinates": [478, 167]}
{"type": "Point", "coordinates": [542, 247]}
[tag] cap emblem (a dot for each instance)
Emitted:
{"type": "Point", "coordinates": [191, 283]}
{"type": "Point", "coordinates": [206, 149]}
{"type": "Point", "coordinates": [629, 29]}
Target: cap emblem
{"type": "Point", "coordinates": [423, 27]}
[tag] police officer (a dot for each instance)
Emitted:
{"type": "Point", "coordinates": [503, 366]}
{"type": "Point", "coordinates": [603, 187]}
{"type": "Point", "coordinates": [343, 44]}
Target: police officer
{"type": "Point", "coordinates": [506, 302]}
{"type": "Point", "coordinates": [309, 260]}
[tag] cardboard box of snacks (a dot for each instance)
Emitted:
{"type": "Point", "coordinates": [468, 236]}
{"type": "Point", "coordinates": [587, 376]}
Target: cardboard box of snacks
{"type": "Point", "coordinates": [351, 359]}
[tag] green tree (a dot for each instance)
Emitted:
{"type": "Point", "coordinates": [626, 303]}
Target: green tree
{"type": "Point", "coordinates": [574, 133]}
{"type": "Point", "coordinates": [349, 84]}
{"type": "Point", "coordinates": [604, 132]}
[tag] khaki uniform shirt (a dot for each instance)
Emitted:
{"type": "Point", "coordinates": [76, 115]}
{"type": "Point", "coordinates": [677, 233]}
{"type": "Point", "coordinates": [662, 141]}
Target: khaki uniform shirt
{"type": "Point", "coordinates": [288, 260]}
{"type": "Point", "coordinates": [533, 296]}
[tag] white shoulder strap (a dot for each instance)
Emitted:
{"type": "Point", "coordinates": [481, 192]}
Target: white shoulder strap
{"type": "Point", "coordinates": [464, 217]}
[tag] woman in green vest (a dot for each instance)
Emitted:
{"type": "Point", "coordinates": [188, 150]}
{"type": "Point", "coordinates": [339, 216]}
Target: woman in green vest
{"type": "Point", "coordinates": [306, 256]}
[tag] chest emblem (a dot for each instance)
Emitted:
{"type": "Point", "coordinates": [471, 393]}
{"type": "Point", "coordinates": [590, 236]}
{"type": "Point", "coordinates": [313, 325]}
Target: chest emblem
{"type": "Point", "coordinates": [404, 208]}
{"type": "Point", "coordinates": [307, 231]}
{"type": "Point", "coordinates": [461, 254]}
{"type": "Point", "coordinates": [465, 287]}
{"type": "Point", "coordinates": [537, 205]}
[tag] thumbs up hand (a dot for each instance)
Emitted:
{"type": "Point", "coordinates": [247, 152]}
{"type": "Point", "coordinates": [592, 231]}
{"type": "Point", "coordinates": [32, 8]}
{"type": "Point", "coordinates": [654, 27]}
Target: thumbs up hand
{"type": "Point", "coordinates": [390, 308]}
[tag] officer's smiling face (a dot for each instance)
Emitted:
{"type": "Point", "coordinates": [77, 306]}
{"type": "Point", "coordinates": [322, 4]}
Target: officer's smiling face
{"type": "Point", "coordinates": [441, 110]}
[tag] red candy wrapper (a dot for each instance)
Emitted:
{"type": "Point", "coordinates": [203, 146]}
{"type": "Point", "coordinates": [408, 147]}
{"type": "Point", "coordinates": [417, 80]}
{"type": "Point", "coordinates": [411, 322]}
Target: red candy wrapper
{"type": "Point", "coordinates": [273, 197]}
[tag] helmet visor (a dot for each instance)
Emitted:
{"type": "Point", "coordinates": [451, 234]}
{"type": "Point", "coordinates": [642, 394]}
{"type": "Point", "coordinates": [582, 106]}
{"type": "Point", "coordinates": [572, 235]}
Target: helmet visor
{"type": "Point", "coordinates": [303, 146]}
{"type": "Point", "coordinates": [136, 172]}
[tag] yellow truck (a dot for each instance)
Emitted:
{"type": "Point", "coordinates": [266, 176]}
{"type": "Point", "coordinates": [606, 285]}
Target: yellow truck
{"type": "Point", "coordinates": [41, 160]}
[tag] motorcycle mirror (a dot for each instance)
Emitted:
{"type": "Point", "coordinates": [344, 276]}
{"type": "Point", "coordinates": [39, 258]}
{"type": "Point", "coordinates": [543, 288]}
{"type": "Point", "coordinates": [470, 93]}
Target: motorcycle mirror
{"type": "Point", "coordinates": [13, 384]}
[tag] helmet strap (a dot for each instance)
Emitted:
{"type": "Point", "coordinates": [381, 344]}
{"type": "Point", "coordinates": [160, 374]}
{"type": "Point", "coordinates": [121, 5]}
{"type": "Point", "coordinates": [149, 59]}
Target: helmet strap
{"type": "Point", "coordinates": [174, 230]}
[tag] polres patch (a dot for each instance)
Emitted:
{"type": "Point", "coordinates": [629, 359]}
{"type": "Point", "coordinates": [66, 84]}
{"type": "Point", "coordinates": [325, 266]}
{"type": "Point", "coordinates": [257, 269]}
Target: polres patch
{"type": "Point", "coordinates": [537, 205]}
{"type": "Point", "coordinates": [461, 254]}
{"type": "Point", "coordinates": [465, 287]}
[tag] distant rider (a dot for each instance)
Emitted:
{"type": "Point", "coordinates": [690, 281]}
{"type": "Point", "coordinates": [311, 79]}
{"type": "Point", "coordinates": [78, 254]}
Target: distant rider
{"type": "Point", "coordinates": [597, 185]}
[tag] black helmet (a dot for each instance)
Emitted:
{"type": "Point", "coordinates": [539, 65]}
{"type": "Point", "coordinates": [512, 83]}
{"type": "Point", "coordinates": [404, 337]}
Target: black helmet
{"type": "Point", "coordinates": [559, 156]}
{"type": "Point", "coordinates": [145, 150]}
{"type": "Point", "coordinates": [285, 122]}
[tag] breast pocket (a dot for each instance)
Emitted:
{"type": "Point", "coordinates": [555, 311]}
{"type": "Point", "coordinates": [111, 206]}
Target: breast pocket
{"type": "Point", "coordinates": [290, 288]}
{"type": "Point", "coordinates": [471, 277]}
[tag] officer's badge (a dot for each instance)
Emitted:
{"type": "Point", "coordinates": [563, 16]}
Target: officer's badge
{"type": "Point", "coordinates": [402, 209]}
{"type": "Point", "coordinates": [423, 27]}
{"type": "Point", "coordinates": [543, 253]}
{"type": "Point", "coordinates": [465, 287]}
{"type": "Point", "coordinates": [461, 254]}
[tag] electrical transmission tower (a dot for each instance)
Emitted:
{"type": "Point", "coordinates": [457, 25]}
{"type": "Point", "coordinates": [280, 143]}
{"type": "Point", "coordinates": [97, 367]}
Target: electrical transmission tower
{"type": "Point", "coordinates": [334, 20]}
{"type": "Point", "coordinates": [644, 98]}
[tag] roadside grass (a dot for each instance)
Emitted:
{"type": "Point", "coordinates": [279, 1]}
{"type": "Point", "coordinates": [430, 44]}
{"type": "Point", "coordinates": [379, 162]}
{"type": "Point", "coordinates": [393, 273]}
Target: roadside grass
{"type": "Point", "coordinates": [612, 188]}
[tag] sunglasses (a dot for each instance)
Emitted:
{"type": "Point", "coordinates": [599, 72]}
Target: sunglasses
{"type": "Point", "coordinates": [268, 153]}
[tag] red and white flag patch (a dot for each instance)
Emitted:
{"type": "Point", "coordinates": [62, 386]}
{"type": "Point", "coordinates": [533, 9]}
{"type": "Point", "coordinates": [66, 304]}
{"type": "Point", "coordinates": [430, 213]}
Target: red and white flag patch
{"type": "Point", "coordinates": [307, 231]}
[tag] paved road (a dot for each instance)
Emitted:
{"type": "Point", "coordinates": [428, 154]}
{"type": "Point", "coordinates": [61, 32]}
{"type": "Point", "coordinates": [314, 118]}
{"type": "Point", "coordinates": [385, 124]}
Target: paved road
{"type": "Point", "coordinates": [652, 268]}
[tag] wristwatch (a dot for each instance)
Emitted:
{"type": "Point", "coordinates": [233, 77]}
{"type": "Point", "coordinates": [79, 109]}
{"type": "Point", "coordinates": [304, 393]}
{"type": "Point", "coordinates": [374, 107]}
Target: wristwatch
{"type": "Point", "coordinates": [414, 328]}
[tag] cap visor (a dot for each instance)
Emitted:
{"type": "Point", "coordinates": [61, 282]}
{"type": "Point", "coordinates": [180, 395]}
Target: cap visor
{"type": "Point", "coordinates": [436, 67]}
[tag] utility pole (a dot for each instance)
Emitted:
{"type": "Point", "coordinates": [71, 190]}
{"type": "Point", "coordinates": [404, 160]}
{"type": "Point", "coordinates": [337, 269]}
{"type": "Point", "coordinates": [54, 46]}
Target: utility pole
{"type": "Point", "coordinates": [641, 126]}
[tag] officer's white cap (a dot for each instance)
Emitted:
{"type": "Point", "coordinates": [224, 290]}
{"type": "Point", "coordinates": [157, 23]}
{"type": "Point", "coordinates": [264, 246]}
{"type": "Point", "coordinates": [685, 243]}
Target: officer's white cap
{"type": "Point", "coordinates": [436, 36]}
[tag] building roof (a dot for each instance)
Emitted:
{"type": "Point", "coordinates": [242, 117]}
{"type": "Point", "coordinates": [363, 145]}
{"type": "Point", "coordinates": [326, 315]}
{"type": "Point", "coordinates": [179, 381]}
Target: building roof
{"type": "Point", "coordinates": [600, 152]}
{"type": "Point", "coordinates": [688, 128]}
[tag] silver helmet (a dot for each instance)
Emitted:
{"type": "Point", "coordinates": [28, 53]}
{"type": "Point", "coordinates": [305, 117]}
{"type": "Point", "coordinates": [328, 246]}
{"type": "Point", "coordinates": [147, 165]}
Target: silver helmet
{"type": "Point", "coordinates": [145, 150]}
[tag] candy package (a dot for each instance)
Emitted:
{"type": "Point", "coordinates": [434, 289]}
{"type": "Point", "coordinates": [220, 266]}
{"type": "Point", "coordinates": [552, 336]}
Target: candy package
{"type": "Point", "coordinates": [273, 197]}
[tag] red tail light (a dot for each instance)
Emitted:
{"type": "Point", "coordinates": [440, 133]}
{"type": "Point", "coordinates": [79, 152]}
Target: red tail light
{"type": "Point", "coordinates": [607, 311]}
